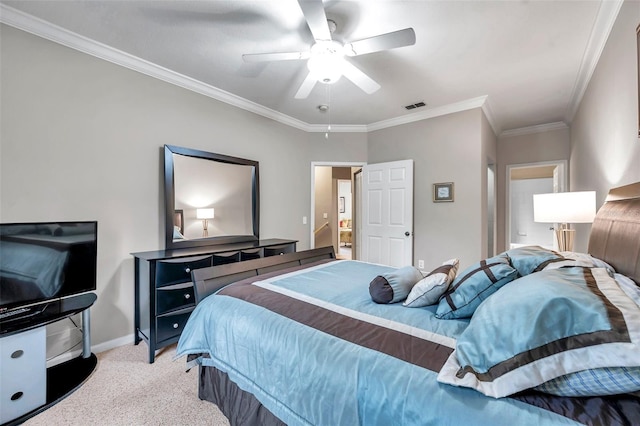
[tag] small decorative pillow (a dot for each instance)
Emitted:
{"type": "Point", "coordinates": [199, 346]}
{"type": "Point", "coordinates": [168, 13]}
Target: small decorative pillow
{"type": "Point", "coordinates": [529, 259]}
{"type": "Point", "coordinates": [429, 289]}
{"type": "Point", "coordinates": [394, 286]}
{"type": "Point", "coordinates": [475, 284]}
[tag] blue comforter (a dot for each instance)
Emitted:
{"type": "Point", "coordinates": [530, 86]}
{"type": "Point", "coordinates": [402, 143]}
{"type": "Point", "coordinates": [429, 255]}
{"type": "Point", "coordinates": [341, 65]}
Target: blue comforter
{"type": "Point", "coordinates": [343, 360]}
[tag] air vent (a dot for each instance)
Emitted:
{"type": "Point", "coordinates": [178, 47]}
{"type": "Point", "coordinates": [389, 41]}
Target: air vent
{"type": "Point", "coordinates": [416, 105]}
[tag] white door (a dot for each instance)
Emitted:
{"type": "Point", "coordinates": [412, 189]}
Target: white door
{"type": "Point", "coordinates": [387, 213]}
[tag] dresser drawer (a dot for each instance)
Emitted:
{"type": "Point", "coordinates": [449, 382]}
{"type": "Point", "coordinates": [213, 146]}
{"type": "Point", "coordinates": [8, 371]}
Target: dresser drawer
{"type": "Point", "coordinates": [171, 325]}
{"type": "Point", "coordinates": [170, 298]}
{"type": "Point", "coordinates": [251, 254]}
{"type": "Point", "coordinates": [279, 249]}
{"type": "Point", "coordinates": [175, 271]}
{"type": "Point", "coordinates": [224, 258]}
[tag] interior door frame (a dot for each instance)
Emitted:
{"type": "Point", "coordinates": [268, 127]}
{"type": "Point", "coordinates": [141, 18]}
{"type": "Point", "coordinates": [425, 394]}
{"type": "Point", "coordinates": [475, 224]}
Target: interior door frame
{"type": "Point", "coordinates": [563, 186]}
{"type": "Point", "coordinates": [312, 214]}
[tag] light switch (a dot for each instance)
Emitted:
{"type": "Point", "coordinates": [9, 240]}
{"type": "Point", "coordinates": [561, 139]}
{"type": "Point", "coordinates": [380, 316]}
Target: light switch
{"type": "Point", "coordinates": [304, 220]}
{"type": "Point", "coordinates": [325, 215]}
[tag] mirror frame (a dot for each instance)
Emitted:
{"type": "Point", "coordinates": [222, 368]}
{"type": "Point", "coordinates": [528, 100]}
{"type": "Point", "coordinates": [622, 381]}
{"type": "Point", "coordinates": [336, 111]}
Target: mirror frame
{"type": "Point", "coordinates": [169, 196]}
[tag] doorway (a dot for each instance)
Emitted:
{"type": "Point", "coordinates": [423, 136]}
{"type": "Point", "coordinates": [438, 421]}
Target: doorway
{"type": "Point", "coordinates": [332, 216]}
{"type": "Point", "coordinates": [524, 180]}
{"type": "Point", "coordinates": [345, 219]}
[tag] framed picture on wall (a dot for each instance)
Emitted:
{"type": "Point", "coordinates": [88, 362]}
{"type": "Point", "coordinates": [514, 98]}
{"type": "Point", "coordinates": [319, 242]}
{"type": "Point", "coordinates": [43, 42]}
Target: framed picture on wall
{"type": "Point", "coordinates": [341, 204]}
{"type": "Point", "coordinates": [443, 192]}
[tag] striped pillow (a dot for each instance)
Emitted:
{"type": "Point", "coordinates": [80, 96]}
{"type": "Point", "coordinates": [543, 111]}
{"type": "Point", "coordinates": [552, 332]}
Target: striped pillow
{"type": "Point", "coordinates": [530, 259]}
{"type": "Point", "coordinates": [547, 325]}
{"type": "Point", "coordinates": [474, 285]}
{"type": "Point", "coordinates": [429, 289]}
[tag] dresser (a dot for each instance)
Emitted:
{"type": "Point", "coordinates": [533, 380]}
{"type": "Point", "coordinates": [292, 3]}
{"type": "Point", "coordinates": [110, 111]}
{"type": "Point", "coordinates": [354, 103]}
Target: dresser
{"type": "Point", "coordinates": [164, 295]}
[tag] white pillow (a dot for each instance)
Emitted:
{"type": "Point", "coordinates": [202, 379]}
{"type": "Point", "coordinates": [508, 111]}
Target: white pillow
{"type": "Point", "coordinates": [428, 290]}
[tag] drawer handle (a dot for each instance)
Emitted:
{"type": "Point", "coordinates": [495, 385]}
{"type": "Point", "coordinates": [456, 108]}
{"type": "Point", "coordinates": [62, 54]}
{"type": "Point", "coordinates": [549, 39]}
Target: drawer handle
{"type": "Point", "coordinates": [187, 296]}
{"type": "Point", "coordinates": [17, 354]}
{"type": "Point", "coordinates": [175, 325]}
{"type": "Point", "coordinates": [281, 254]}
{"type": "Point", "coordinates": [188, 270]}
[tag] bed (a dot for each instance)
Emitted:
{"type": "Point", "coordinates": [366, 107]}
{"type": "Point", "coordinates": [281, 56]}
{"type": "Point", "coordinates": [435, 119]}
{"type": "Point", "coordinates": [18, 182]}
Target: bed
{"type": "Point", "coordinates": [299, 339]}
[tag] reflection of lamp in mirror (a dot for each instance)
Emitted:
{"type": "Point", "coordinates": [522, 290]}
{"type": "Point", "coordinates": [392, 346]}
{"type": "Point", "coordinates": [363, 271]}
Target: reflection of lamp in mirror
{"type": "Point", "coordinates": [205, 215]}
{"type": "Point", "coordinates": [565, 208]}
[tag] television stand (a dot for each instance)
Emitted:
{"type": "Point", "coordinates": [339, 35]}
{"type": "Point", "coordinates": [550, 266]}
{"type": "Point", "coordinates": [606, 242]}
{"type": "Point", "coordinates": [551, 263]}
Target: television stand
{"type": "Point", "coordinates": [27, 387]}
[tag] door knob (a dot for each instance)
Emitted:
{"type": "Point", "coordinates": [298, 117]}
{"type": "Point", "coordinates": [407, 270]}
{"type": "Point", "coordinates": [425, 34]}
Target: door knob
{"type": "Point", "coordinates": [406, 234]}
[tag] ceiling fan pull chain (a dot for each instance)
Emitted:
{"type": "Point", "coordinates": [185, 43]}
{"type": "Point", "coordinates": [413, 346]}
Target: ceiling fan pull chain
{"type": "Point", "coordinates": [328, 95]}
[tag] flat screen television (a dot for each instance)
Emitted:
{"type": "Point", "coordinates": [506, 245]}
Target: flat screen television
{"type": "Point", "coordinates": [42, 262]}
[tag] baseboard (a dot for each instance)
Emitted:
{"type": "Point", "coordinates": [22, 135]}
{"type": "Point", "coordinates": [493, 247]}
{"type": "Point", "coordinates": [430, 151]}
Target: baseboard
{"type": "Point", "coordinates": [101, 347]}
{"type": "Point", "coordinates": [105, 346]}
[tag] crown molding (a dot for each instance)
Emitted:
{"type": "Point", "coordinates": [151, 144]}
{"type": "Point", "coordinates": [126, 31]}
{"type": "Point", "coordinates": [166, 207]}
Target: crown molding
{"type": "Point", "coordinates": [336, 128]}
{"type": "Point", "coordinates": [604, 22]}
{"type": "Point", "coordinates": [49, 31]}
{"type": "Point", "coordinates": [540, 128]}
{"type": "Point", "coordinates": [602, 27]}
{"type": "Point", "coordinates": [429, 113]}
{"type": "Point", "coordinates": [491, 117]}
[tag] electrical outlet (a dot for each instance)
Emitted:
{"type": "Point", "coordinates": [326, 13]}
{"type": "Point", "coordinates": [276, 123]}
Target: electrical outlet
{"type": "Point", "coordinates": [421, 264]}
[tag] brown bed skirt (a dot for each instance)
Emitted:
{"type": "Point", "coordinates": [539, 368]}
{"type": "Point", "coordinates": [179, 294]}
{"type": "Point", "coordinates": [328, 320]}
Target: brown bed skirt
{"type": "Point", "coordinates": [240, 407]}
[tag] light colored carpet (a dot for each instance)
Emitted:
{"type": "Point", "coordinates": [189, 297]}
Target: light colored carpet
{"type": "Point", "coordinates": [125, 389]}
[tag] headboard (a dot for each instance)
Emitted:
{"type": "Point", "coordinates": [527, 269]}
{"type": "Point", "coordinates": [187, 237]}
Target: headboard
{"type": "Point", "coordinates": [615, 233]}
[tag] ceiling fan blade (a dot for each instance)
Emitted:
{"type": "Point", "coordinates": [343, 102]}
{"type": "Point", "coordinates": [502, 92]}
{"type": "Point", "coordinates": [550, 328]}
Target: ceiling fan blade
{"type": "Point", "coordinates": [306, 87]}
{"type": "Point", "coordinates": [359, 78]}
{"type": "Point", "coordinates": [267, 57]}
{"type": "Point", "coordinates": [401, 38]}
{"type": "Point", "coordinates": [313, 11]}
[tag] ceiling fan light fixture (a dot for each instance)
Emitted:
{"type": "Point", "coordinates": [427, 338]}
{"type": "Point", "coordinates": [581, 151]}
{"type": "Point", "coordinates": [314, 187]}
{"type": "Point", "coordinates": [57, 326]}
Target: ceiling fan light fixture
{"type": "Point", "coordinates": [326, 61]}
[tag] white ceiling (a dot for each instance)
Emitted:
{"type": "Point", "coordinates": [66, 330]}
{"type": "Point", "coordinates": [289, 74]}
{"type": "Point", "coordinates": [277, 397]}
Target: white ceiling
{"type": "Point", "coordinates": [526, 63]}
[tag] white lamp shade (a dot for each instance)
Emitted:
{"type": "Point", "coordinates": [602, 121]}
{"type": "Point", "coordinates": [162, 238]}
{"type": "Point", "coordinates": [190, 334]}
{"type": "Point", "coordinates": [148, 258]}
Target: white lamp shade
{"type": "Point", "coordinates": [565, 207]}
{"type": "Point", "coordinates": [204, 213]}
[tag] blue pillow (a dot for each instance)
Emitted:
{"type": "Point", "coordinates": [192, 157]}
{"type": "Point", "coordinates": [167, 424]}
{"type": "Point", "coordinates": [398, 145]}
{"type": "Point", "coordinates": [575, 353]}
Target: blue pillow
{"type": "Point", "coordinates": [529, 259]}
{"type": "Point", "coordinates": [546, 325]}
{"type": "Point", "coordinates": [474, 285]}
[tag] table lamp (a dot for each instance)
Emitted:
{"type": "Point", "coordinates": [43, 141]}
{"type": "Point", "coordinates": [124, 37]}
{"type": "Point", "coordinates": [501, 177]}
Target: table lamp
{"type": "Point", "coordinates": [564, 208]}
{"type": "Point", "coordinates": [205, 215]}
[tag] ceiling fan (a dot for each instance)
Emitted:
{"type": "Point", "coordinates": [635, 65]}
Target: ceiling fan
{"type": "Point", "coordinates": [326, 59]}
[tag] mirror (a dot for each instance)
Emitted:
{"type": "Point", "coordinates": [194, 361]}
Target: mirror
{"type": "Point", "coordinates": [209, 198]}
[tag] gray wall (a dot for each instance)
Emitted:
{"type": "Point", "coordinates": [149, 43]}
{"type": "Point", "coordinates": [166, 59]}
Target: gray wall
{"type": "Point", "coordinates": [81, 139]}
{"type": "Point", "coordinates": [444, 149]}
{"type": "Point", "coordinates": [552, 145]}
{"type": "Point", "coordinates": [605, 149]}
